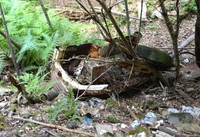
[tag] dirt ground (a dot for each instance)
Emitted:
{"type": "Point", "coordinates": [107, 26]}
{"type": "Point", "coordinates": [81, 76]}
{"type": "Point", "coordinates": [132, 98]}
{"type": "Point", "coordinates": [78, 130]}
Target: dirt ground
{"type": "Point", "coordinates": [186, 92]}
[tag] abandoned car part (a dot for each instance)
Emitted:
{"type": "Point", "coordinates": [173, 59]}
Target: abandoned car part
{"type": "Point", "coordinates": [89, 74]}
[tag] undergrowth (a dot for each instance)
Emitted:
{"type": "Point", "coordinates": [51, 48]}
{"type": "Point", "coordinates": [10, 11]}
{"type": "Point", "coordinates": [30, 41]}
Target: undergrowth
{"type": "Point", "coordinates": [35, 84]}
{"type": "Point", "coordinates": [189, 6]}
{"type": "Point", "coordinates": [27, 26]}
{"type": "Point", "coordinates": [65, 108]}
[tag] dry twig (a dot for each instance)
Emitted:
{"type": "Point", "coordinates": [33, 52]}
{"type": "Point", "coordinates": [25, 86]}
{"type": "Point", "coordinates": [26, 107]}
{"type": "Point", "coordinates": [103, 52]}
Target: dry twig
{"type": "Point", "coordinates": [132, 114]}
{"type": "Point", "coordinates": [54, 126]}
{"type": "Point", "coordinates": [11, 40]}
{"type": "Point", "coordinates": [187, 41]}
{"type": "Point", "coordinates": [98, 10]}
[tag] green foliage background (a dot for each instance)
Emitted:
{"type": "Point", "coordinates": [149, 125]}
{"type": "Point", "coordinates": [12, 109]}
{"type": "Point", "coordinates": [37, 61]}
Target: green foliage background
{"type": "Point", "coordinates": [27, 25]}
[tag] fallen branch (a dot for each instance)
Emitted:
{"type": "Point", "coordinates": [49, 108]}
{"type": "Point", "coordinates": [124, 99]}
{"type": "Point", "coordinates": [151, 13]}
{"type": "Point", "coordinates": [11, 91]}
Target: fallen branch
{"type": "Point", "coordinates": [98, 10]}
{"type": "Point", "coordinates": [54, 126]}
{"type": "Point", "coordinates": [14, 82]}
{"type": "Point", "coordinates": [132, 114]}
{"type": "Point", "coordinates": [184, 95]}
{"type": "Point", "coordinates": [187, 41]}
{"type": "Point", "coordinates": [170, 132]}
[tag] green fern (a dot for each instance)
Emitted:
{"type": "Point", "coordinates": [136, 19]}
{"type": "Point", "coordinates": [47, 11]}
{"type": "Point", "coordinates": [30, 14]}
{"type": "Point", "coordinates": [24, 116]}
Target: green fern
{"type": "Point", "coordinates": [65, 108]}
{"type": "Point", "coordinates": [48, 45]}
{"type": "Point", "coordinates": [27, 26]}
{"type": "Point", "coordinates": [30, 68]}
{"type": "Point", "coordinates": [189, 6]}
{"type": "Point", "coordinates": [35, 84]}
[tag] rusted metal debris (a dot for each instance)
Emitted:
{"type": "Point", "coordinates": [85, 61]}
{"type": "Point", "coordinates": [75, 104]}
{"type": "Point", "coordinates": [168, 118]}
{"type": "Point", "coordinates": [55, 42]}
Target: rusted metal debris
{"type": "Point", "coordinates": [88, 73]}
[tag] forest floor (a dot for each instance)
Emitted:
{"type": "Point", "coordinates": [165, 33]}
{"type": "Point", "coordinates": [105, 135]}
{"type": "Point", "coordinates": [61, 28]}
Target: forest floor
{"type": "Point", "coordinates": [115, 118]}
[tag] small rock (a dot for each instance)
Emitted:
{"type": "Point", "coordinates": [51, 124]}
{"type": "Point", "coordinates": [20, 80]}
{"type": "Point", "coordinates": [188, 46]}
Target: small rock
{"type": "Point", "coordinates": [194, 128]}
{"type": "Point", "coordinates": [119, 134]}
{"type": "Point", "coordinates": [190, 89]}
{"type": "Point", "coordinates": [165, 114]}
{"type": "Point", "coordinates": [180, 118]}
{"type": "Point", "coordinates": [43, 134]}
{"type": "Point", "coordinates": [103, 128]}
{"type": "Point", "coordinates": [113, 119]}
{"type": "Point", "coordinates": [72, 124]}
{"type": "Point", "coordinates": [162, 134]}
{"type": "Point", "coordinates": [4, 91]}
{"type": "Point", "coordinates": [3, 104]}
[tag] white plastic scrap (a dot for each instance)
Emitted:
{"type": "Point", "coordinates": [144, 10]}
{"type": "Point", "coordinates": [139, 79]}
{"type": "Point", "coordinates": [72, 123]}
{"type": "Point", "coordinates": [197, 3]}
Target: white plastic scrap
{"type": "Point", "coordinates": [135, 123]}
{"type": "Point", "coordinates": [159, 123]}
{"type": "Point", "coordinates": [195, 111]}
{"type": "Point", "coordinates": [124, 125]}
{"type": "Point", "coordinates": [96, 102]}
{"type": "Point", "coordinates": [133, 108]}
{"type": "Point", "coordinates": [103, 128]}
{"type": "Point", "coordinates": [173, 110]}
{"type": "Point", "coordinates": [150, 118]}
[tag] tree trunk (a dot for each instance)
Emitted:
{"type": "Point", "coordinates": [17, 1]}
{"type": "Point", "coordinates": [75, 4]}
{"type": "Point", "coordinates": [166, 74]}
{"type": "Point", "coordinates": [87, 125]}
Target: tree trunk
{"type": "Point", "coordinates": [197, 34]}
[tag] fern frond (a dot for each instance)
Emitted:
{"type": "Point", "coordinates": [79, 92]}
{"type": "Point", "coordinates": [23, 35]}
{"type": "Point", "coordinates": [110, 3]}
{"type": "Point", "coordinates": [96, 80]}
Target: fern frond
{"type": "Point", "coordinates": [49, 44]}
{"type": "Point", "coordinates": [28, 46]}
{"type": "Point", "coordinates": [29, 68]}
{"type": "Point", "coordinates": [27, 26]}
